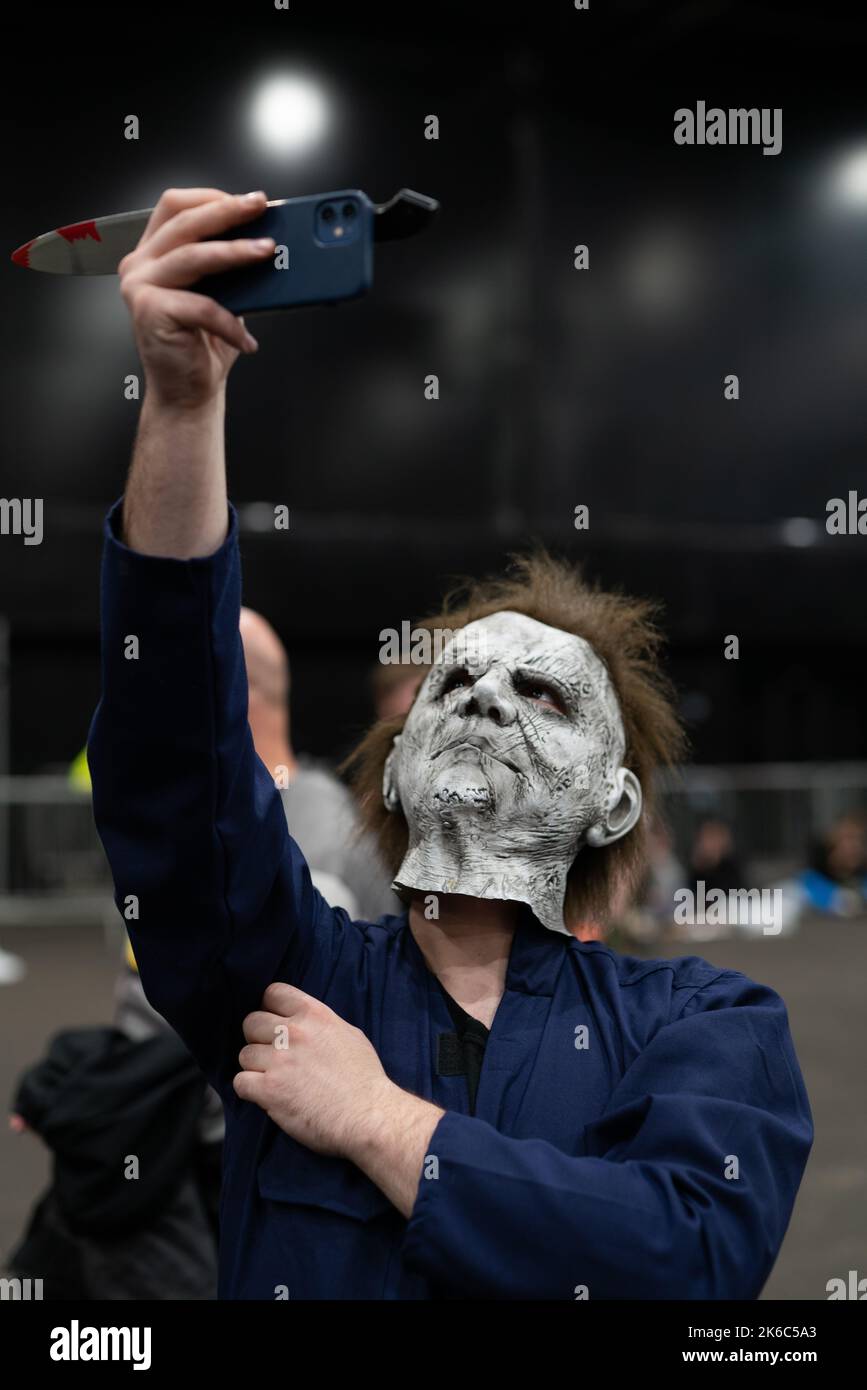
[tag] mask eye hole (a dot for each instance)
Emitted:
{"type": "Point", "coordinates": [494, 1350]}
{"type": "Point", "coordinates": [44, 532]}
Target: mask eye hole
{"type": "Point", "coordinates": [540, 692]}
{"type": "Point", "coordinates": [456, 680]}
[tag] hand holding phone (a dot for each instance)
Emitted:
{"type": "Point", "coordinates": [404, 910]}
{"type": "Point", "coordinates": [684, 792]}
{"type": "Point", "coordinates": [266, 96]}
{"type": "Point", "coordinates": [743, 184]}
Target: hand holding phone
{"type": "Point", "coordinates": [323, 253]}
{"type": "Point", "coordinates": [188, 341]}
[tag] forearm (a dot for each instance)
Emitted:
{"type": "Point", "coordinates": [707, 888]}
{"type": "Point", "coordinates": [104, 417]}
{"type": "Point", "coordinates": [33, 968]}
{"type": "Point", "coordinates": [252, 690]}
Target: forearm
{"type": "Point", "coordinates": [393, 1143]}
{"type": "Point", "coordinates": [175, 504]}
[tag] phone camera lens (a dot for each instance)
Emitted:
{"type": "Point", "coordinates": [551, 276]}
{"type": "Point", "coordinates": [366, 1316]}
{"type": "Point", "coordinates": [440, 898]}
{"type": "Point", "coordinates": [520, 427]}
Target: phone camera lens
{"type": "Point", "coordinates": [348, 210]}
{"type": "Point", "coordinates": [328, 214]}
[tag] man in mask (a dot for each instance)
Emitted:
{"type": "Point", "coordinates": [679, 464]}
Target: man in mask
{"type": "Point", "coordinates": [462, 1100]}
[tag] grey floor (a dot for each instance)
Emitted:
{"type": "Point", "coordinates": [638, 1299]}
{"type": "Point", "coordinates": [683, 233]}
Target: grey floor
{"type": "Point", "coordinates": [821, 973]}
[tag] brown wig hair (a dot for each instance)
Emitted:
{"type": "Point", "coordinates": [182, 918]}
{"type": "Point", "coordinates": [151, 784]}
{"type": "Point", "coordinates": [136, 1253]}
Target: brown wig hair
{"type": "Point", "coordinates": [624, 634]}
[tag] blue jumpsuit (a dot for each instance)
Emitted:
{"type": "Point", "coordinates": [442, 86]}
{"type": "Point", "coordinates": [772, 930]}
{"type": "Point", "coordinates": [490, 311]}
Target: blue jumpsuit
{"type": "Point", "coordinates": [641, 1126]}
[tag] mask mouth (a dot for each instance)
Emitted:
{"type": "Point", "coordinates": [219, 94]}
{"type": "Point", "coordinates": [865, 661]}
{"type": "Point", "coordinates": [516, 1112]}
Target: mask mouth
{"type": "Point", "coordinates": [482, 745]}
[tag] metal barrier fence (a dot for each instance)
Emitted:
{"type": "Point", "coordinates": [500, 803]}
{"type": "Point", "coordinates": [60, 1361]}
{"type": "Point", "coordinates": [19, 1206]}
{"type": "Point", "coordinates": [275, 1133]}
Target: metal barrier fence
{"type": "Point", "coordinates": [776, 810]}
{"type": "Point", "coordinates": [52, 865]}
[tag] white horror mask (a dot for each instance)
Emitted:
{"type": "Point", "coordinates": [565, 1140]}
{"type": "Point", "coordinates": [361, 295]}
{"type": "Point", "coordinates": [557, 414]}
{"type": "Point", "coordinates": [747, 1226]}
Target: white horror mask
{"type": "Point", "coordinates": [509, 763]}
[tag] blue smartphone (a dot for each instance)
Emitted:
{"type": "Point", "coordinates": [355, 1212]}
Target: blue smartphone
{"type": "Point", "coordinates": [323, 254]}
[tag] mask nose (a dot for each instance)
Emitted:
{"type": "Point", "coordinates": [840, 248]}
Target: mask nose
{"type": "Point", "coordinates": [489, 697]}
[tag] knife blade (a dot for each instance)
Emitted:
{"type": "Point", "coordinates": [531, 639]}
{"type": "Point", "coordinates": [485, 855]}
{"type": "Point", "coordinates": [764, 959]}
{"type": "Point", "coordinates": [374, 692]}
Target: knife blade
{"type": "Point", "coordinates": [96, 247]}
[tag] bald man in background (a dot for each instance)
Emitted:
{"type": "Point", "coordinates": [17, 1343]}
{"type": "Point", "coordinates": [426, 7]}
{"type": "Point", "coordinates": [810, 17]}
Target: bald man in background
{"type": "Point", "coordinates": [320, 812]}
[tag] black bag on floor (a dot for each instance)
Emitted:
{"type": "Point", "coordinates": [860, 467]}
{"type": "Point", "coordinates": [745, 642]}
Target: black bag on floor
{"type": "Point", "coordinates": [128, 1214]}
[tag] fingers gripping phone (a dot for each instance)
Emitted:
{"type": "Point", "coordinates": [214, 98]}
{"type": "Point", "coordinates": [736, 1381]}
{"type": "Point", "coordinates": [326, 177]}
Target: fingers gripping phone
{"type": "Point", "coordinates": [323, 254]}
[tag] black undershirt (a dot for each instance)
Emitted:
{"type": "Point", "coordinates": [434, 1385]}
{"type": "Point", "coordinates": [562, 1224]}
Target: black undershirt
{"type": "Point", "coordinates": [461, 1053]}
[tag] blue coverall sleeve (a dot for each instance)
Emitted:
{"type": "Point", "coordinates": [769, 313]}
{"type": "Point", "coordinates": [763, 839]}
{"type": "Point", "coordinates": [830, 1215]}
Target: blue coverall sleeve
{"type": "Point", "coordinates": [684, 1192]}
{"type": "Point", "coordinates": [215, 894]}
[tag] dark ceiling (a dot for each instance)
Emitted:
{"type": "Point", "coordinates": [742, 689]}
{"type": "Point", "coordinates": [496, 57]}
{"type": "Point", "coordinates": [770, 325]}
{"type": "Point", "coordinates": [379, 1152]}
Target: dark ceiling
{"type": "Point", "coordinates": [557, 387]}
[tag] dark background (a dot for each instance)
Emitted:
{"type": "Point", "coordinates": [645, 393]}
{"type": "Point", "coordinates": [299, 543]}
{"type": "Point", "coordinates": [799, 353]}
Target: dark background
{"type": "Point", "coordinates": [557, 387]}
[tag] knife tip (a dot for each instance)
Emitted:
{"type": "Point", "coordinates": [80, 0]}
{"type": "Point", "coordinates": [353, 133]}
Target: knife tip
{"type": "Point", "coordinates": [22, 255]}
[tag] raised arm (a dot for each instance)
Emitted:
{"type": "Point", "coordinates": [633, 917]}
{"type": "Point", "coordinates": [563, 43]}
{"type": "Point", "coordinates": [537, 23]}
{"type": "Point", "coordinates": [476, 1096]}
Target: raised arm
{"type": "Point", "coordinates": [175, 503]}
{"type": "Point", "coordinates": [215, 895]}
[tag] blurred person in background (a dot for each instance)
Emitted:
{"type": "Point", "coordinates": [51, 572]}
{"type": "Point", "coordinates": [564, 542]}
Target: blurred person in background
{"type": "Point", "coordinates": [714, 867]}
{"type": "Point", "coordinates": [345, 862]}
{"type": "Point", "coordinates": [712, 858]}
{"type": "Point", "coordinates": [834, 883]}
{"type": "Point", "coordinates": [836, 880]}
